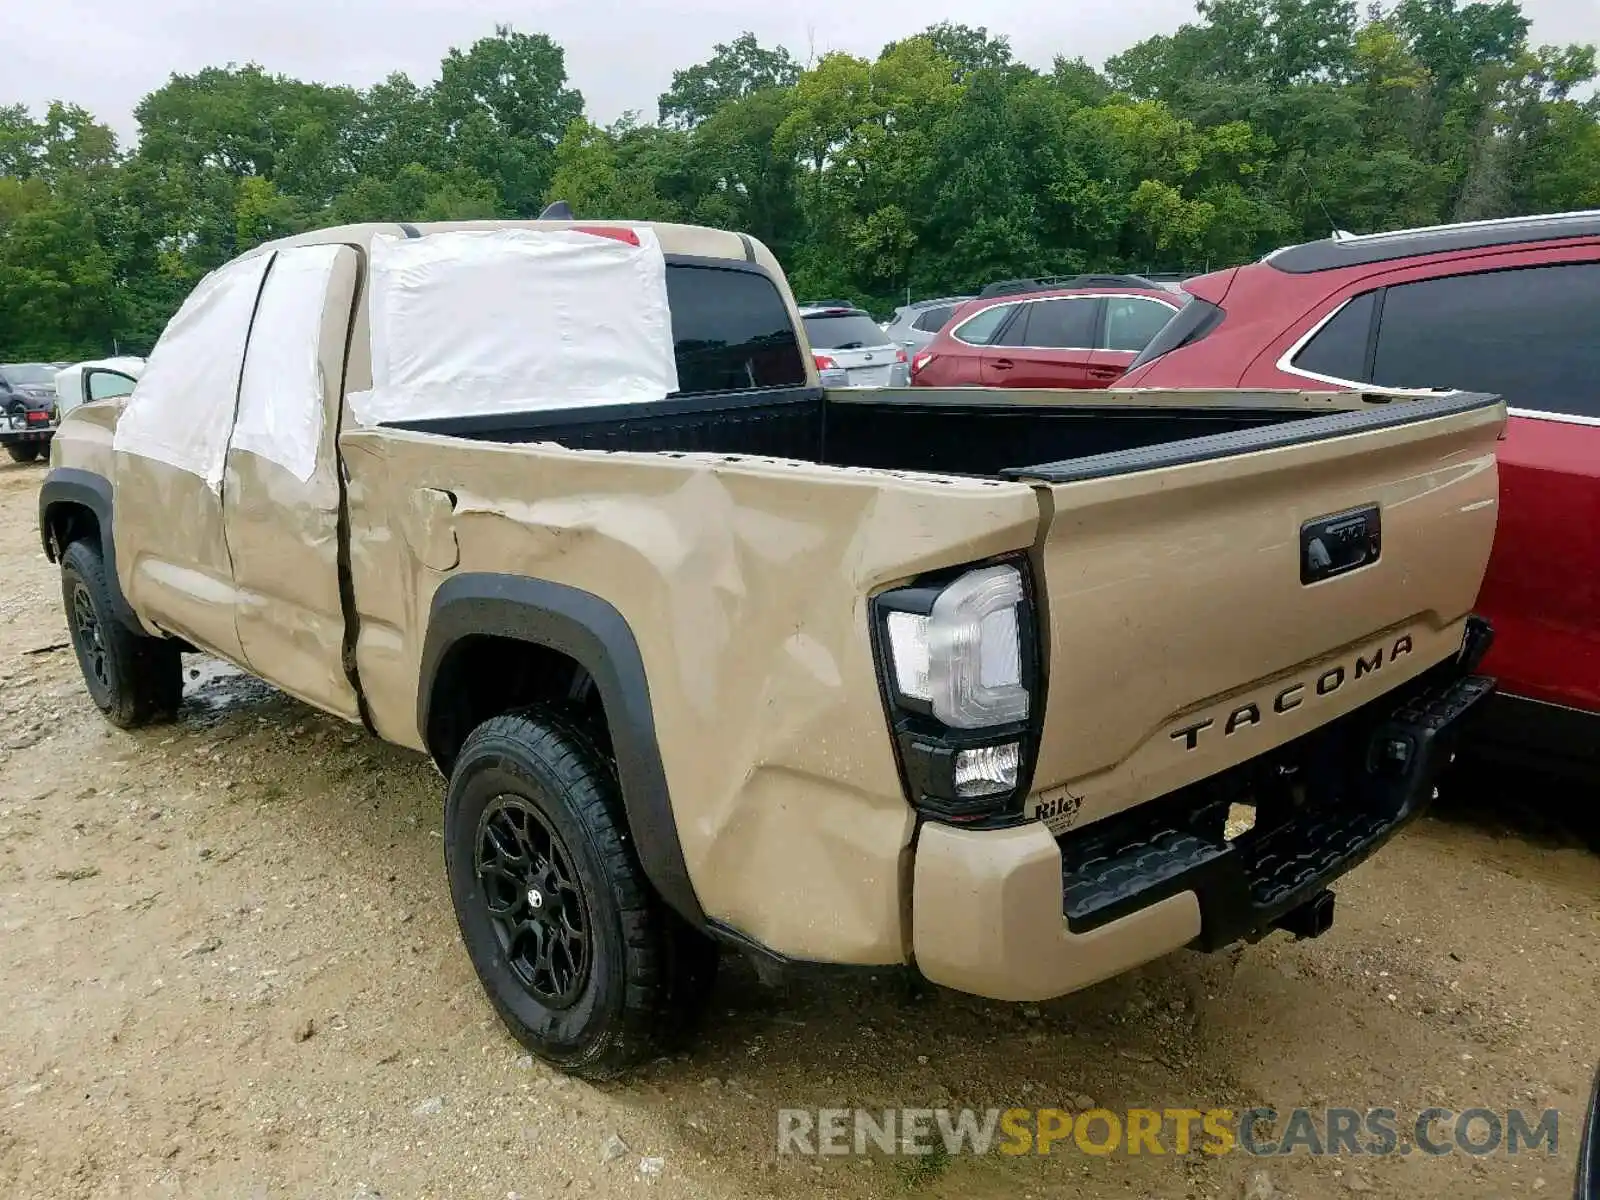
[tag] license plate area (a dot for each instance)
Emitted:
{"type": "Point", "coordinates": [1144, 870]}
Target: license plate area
{"type": "Point", "coordinates": [1342, 542]}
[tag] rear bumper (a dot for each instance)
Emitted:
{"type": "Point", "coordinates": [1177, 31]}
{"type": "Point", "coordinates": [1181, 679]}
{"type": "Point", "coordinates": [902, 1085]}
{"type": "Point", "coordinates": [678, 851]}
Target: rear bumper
{"type": "Point", "coordinates": [33, 433]}
{"type": "Point", "coordinates": [1016, 914]}
{"type": "Point", "coordinates": [898, 376]}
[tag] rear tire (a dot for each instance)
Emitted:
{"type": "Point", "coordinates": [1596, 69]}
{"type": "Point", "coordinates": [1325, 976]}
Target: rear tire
{"type": "Point", "coordinates": [133, 679]}
{"type": "Point", "coordinates": [586, 965]}
{"type": "Point", "coordinates": [23, 452]}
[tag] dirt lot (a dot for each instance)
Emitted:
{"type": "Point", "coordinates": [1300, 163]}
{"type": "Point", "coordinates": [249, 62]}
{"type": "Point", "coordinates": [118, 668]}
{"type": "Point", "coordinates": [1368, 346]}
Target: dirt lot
{"type": "Point", "coordinates": [228, 967]}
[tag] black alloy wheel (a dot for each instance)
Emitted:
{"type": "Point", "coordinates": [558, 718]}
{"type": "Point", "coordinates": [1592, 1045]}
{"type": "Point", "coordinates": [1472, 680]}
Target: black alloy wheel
{"type": "Point", "coordinates": [534, 900]}
{"type": "Point", "coordinates": [86, 633]}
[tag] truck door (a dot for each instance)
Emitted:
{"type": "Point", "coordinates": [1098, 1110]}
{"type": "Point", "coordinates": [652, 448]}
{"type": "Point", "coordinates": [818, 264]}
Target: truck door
{"type": "Point", "coordinates": [170, 445]}
{"type": "Point", "coordinates": [281, 492]}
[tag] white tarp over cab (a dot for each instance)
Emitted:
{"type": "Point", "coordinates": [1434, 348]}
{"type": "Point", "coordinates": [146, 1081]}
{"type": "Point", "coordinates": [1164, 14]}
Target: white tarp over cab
{"type": "Point", "coordinates": [515, 320]}
{"type": "Point", "coordinates": [181, 412]}
{"type": "Point", "coordinates": [281, 395]}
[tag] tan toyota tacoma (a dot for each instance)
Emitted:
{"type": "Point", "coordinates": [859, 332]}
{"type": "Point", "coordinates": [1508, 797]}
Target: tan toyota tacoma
{"type": "Point", "coordinates": [965, 681]}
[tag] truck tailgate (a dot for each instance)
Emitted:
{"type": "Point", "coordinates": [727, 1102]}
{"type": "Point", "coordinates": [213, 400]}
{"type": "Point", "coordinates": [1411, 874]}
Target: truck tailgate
{"type": "Point", "coordinates": [1189, 622]}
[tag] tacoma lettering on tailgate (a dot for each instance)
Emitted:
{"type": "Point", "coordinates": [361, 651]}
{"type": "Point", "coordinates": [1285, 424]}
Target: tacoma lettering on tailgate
{"type": "Point", "coordinates": [1292, 695]}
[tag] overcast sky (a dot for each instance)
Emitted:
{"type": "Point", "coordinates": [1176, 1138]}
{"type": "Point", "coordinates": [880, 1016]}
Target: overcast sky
{"type": "Point", "coordinates": [106, 54]}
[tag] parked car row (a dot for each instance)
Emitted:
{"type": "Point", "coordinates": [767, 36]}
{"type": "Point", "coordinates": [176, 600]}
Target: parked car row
{"type": "Point", "coordinates": [27, 408]}
{"type": "Point", "coordinates": [1501, 306]}
{"type": "Point", "coordinates": [35, 396]}
{"type": "Point", "coordinates": [1036, 334]}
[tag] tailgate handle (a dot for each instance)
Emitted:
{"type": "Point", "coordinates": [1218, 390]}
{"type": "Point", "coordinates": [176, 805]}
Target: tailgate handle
{"type": "Point", "coordinates": [1339, 543]}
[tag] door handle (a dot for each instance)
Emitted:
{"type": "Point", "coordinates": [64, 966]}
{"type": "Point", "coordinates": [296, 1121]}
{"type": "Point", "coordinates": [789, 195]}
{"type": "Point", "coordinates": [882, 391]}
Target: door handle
{"type": "Point", "coordinates": [1002, 364]}
{"type": "Point", "coordinates": [1105, 372]}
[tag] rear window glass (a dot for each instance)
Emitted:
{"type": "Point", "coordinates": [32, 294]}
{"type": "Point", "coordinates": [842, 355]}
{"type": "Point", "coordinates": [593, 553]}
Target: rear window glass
{"type": "Point", "coordinates": [931, 320]}
{"type": "Point", "coordinates": [846, 331]}
{"type": "Point", "coordinates": [1339, 348]}
{"type": "Point", "coordinates": [731, 331]}
{"type": "Point", "coordinates": [1193, 321]}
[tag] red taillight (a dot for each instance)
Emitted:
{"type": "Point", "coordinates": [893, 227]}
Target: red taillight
{"type": "Point", "coordinates": [39, 418]}
{"type": "Point", "coordinates": [609, 231]}
{"type": "Point", "coordinates": [900, 356]}
{"type": "Point", "coordinates": [824, 363]}
{"type": "Point", "coordinates": [919, 363]}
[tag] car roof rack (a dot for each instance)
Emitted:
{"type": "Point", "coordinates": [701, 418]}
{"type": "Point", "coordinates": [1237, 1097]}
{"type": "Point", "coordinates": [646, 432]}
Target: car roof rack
{"type": "Point", "coordinates": [1050, 283]}
{"type": "Point", "coordinates": [826, 304]}
{"type": "Point", "coordinates": [1351, 250]}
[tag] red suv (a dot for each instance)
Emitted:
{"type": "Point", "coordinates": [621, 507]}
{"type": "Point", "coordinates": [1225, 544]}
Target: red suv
{"type": "Point", "coordinates": [1077, 333]}
{"type": "Point", "coordinates": [1509, 306]}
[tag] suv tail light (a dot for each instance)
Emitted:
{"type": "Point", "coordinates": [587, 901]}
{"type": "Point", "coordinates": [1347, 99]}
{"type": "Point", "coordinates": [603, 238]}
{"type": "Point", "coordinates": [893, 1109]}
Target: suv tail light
{"type": "Point", "coordinates": [900, 356]}
{"type": "Point", "coordinates": [920, 362]}
{"type": "Point", "coordinates": [824, 363]}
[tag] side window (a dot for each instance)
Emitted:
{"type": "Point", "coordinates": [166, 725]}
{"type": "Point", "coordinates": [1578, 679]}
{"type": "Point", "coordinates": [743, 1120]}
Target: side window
{"type": "Point", "coordinates": [1062, 324]}
{"type": "Point", "coordinates": [1527, 335]}
{"type": "Point", "coordinates": [1339, 349]}
{"type": "Point", "coordinates": [1016, 331]}
{"type": "Point", "coordinates": [980, 330]}
{"type": "Point", "coordinates": [106, 385]}
{"type": "Point", "coordinates": [730, 331]}
{"type": "Point", "coordinates": [931, 320]}
{"type": "Point", "coordinates": [1131, 321]}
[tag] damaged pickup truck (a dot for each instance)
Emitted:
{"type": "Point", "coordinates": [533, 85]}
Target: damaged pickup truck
{"type": "Point", "coordinates": [967, 681]}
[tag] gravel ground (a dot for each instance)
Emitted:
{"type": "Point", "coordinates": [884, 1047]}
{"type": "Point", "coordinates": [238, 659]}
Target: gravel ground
{"type": "Point", "coordinates": [228, 967]}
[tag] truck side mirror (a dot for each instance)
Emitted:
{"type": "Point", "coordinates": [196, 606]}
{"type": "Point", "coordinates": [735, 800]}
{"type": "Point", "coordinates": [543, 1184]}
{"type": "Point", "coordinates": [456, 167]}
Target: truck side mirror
{"type": "Point", "coordinates": [1588, 1186]}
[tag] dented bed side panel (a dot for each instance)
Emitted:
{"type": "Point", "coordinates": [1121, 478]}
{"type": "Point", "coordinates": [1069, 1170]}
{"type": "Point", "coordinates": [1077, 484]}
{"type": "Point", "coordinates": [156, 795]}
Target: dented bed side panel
{"type": "Point", "coordinates": [745, 584]}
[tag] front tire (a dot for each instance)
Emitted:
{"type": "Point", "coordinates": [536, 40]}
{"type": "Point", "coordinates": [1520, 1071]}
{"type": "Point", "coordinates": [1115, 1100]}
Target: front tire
{"type": "Point", "coordinates": [133, 679]}
{"type": "Point", "coordinates": [23, 452]}
{"type": "Point", "coordinates": [584, 963]}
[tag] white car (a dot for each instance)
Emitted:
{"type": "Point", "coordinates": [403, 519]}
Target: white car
{"type": "Point", "coordinates": [851, 350]}
{"type": "Point", "coordinates": [98, 379]}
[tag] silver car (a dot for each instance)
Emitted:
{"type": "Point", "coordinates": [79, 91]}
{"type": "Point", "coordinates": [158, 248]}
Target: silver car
{"type": "Point", "coordinates": [914, 325]}
{"type": "Point", "coordinates": [852, 351]}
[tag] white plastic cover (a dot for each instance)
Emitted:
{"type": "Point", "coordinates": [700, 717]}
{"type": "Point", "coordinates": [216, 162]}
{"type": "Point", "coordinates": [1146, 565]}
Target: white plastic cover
{"type": "Point", "coordinates": [281, 398]}
{"type": "Point", "coordinates": [514, 320]}
{"type": "Point", "coordinates": [182, 409]}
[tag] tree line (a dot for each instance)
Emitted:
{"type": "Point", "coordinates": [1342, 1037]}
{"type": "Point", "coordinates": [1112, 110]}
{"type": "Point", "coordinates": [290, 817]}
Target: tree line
{"type": "Point", "coordinates": [938, 166]}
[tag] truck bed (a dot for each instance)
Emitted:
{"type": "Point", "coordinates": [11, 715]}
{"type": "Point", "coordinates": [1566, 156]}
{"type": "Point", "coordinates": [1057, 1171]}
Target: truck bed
{"type": "Point", "coordinates": [986, 432]}
{"type": "Point", "coordinates": [1188, 626]}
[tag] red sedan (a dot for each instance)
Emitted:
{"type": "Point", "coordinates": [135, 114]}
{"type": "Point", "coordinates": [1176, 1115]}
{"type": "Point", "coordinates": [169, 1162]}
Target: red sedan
{"type": "Point", "coordinates": [1046, 334]}
{"type": "Point", "coordinates": [1496, 306]}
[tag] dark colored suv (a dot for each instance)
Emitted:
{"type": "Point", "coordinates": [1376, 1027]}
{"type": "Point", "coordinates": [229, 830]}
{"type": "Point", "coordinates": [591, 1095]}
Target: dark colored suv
{"type": "Point", "coordinates": [1511, 307]}
{"type": "Point", "coordinates": [27, 409]}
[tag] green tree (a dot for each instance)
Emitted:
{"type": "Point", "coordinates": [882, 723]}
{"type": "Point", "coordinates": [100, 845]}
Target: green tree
{"type": "Point", "coordinates": [505, 104]}
{"type": "Point", "coordinates": [737, 69]}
